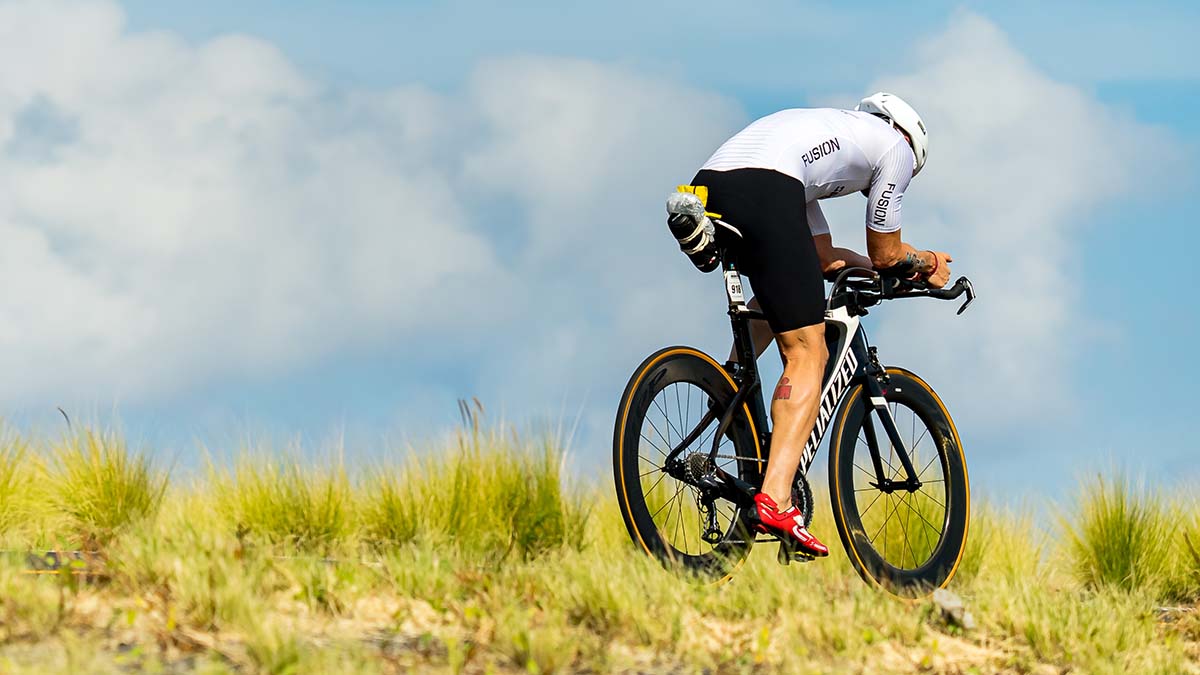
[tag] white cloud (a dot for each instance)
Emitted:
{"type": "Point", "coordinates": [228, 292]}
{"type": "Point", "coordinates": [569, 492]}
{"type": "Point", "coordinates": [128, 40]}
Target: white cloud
{"type": "Point", "coordinates": [206, 210]}
{"type": "Point", "coordinates": [1019, 163]}
{"type": "Point", "coordinates": [589, 152]}
{"type": "Point", "coordinates": [174, 213]}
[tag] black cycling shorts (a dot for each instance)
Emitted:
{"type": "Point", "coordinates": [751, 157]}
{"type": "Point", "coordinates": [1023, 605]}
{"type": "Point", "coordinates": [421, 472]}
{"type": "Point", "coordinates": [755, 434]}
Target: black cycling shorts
{"type": "Point", "coordinates": [777, 250]}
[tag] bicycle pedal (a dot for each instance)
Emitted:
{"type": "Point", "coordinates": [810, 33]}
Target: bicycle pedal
{"type": "Point", "coordinates": [788, 555]}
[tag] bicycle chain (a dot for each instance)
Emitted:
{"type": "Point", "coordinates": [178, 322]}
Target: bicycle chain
{"type": "Point", "coordinates": [748, 459]}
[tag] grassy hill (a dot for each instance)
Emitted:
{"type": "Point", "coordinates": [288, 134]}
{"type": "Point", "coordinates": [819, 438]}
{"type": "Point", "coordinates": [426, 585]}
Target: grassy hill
{"type": "Point", "coordinates": [470, 560]}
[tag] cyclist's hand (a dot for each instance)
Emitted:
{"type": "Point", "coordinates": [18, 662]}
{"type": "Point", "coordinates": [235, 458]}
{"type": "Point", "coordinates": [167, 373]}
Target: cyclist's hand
{"type": "Point", "coordinates": [941, 275]}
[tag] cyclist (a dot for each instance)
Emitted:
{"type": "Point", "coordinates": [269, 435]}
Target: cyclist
{"type": "Point", "coordinates": [766, 182]}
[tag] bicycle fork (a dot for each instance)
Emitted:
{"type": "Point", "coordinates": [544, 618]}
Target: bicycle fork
{"type": "Point", "coordinates": [875, 381]}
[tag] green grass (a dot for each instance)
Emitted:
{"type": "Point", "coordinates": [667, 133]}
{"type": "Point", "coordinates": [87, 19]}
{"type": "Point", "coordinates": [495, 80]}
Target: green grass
{"type": "Point", "coordinates": [1188, 578]}
{"type": "Point", "coordinates": [101, 487]}
{"type": "Point", "coordinates": [481, 557]}
{"type": "Point", "coordinates": [494, 495]}
{"type": "Point", "coordinates": [1123, 535]}
{"type": "Point", "coordinates": [14, 478]}
{"type": "Point", "coordinates": [286, 500]}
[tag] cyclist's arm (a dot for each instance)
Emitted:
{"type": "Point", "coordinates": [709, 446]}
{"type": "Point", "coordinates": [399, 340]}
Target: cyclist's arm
{"type": "Point", "coordinates": [887, 250]}
{"type": "Point", "coordinates": [884, 199]}
{"type": "Point", "coordinates": [831, 257]}
{"type": "Point", "coordinates": [835, 258]}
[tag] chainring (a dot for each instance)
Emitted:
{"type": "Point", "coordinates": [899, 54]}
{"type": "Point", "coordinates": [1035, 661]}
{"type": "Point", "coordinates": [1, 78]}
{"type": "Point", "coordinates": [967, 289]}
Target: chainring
{"type": "Point", "coordinates": [802, 497]}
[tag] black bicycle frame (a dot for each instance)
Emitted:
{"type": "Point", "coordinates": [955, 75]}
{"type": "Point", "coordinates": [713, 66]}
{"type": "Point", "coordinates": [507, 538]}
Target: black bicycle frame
{"type": "Point", "coordinates": [852, 362]}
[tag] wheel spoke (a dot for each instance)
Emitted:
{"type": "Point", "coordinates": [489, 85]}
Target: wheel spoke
{"type": "Point", "coordinates": [706, 437]}
{"type": "Point", "coordinates": [667, 418]}
{"type": "Point", "coordinates": [930, 463]}
{"type": "Point", "coordinates": [923, 433]}
{"type": "Point", "coordinates": [678, 522]}
{"type": "Point", "coordinates": [653, 445]}
{"type": "Point", "coordinates": [883, 528]}
{"type": "Point", "coordinates": [868, 473]}
{"type": "Point", "coordinates": [885, 522]}
{"type": "Point", "coordinates": [651, 490]}
{"type": "Point", "coordinates": [660, 435]}
{"type": "Point", "coordinates": [904, 528]}
{"type": "Point", "coordinates": [679, 411]}
{"type": "Point", "coordinates": [931, 525]}
{"type": "Point", "coordinates": [864, 511]}
{"type": "Point", "coordinates": [931, 497]}
{"type": "Point", "coordinates": [669, 501]}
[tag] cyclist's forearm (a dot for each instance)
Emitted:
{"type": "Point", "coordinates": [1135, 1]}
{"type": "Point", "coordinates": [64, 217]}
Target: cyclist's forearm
{"type": "Point", "coordinates": [887, 250]}
{"type": "Point", "coordinates": [851, 257]}
{"type": "Point", "coordinates": [830, 255]}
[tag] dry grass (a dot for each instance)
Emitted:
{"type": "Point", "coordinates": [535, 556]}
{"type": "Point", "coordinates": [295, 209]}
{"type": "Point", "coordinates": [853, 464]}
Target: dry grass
{"type": "Point", "coordinates": [479, 558]}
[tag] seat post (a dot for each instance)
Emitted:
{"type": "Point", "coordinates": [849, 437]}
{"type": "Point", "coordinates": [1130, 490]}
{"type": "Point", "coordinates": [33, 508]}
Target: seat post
{"type": "Point", "coordinates": [733, 282]}
{"type": "Point", "coordinates": [739, 313]}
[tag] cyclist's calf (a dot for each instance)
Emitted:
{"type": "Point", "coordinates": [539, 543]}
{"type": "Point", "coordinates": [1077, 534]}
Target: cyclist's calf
{"type": "Point", "coordinates": [804, 355]}
{"type": "Point", "coordinates": [794, 405]}
{"type": "Point", "coordinates": [803, 344]}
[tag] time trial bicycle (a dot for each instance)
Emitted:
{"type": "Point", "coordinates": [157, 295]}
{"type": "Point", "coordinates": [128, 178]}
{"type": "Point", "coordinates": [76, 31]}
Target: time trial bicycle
{"type": "Point", "coordinates": [692, 440]}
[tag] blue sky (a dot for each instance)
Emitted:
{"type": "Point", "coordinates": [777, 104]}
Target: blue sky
{"type": "Point", "coordinates": [373, 107]}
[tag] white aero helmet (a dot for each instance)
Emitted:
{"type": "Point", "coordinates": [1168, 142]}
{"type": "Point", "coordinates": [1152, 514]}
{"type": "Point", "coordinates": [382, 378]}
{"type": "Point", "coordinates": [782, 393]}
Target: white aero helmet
{"type": "Point", "coordinates": [902, 115]}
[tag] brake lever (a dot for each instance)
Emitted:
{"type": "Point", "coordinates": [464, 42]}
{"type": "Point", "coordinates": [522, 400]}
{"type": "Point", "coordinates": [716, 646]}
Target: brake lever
{"type": "Point", "coordinates": [966, 286]}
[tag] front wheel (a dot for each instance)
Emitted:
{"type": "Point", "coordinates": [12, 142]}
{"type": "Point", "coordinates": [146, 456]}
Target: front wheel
{"type": "Point", "coordinates": [908, 542]}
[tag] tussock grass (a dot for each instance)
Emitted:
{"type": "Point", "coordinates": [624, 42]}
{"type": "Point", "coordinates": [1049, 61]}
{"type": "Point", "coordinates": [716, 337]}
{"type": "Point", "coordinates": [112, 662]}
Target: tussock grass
{"type": "Point", "coordinates": [15, 475]}
{"type": "Point", "coordinates": [1187, 579]}
{"type": "Point", "coordinates": [494, 495]}
{"type": "Point", "coordinates": [390, 508]}
{"type": "Point", "coordinates": [1005, 546]}
{"type": "Point", "coordinates": [284, 500]}
{"type": "Point", "coordinates": [102, 487]}
{"type": "Point", "coordinates": [1123, 535]}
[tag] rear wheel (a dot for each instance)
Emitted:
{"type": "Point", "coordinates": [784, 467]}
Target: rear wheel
{"type": "Point", "coordinates": [666, 399]}
{"type": "Point", "coordinates": [907, 541]}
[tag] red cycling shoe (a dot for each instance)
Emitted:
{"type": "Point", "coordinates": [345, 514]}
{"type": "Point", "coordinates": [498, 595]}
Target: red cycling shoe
{"type": "Point", "coordinates": [787, 525]}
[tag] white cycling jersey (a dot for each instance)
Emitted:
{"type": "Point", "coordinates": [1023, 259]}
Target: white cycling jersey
{"type": "Point", "coordinates": [833, 153]}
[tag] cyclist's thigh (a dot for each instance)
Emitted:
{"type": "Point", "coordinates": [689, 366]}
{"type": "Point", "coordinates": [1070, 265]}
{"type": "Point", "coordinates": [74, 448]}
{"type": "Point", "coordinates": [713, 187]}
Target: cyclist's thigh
{"type": "Point", "coordinates": [777, 253]}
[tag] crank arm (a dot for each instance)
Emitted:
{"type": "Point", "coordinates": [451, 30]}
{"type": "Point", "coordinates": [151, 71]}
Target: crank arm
{"type": "Point", "coordinates": [729, 487]}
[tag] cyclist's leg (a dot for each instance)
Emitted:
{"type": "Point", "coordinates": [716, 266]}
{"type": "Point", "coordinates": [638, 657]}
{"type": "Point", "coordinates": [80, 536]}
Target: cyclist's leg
{"type": "Point", "coordinates": [794, 406]}
{"type": "Point", "coordinates": [792, 292]}
{"type": "Point", "coordinates": [780, 258]}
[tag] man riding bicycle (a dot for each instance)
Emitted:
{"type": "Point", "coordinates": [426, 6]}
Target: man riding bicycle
{"type": "Point", "coordinates": [765, 182]}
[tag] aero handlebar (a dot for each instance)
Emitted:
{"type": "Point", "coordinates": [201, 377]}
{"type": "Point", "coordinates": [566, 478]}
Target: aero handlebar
{"type": "Point", "coordinates": [858, 287]}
